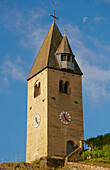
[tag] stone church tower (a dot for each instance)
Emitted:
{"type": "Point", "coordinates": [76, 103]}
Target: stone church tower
{"type": "Point", "coordinates": [54, 109]}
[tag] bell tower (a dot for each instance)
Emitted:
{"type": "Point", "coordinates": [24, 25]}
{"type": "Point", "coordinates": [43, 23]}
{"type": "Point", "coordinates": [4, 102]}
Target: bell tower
{"type": "Point", "coordinates": [54, 109]}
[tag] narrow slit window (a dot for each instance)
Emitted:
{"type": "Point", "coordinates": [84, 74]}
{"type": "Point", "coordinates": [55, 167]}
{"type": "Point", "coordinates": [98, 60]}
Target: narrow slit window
{"type": "Point", "coordinates": [37, 90]}
{"type": "Point", "coordinates": [39, 85]}
{"type": "Point", "coordinates": [61, 86]}
{"type": "Point", "coordinates": [69, 58]}
{"type": "Point", "coordinates": [66, 87]}
{"type": "Point", "coordinates": [63, 57]}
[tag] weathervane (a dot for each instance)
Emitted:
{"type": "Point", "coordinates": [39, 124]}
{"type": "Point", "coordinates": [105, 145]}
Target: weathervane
{"type": "Point", "coordinates": [54, 17]}
{"type": "Point", "coordinates": [53, 4]}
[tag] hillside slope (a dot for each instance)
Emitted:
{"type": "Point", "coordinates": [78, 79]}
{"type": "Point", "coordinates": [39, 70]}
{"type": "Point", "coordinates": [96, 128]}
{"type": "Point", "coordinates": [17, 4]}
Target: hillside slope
{"type": "Point", "coordinates": [18, 166]}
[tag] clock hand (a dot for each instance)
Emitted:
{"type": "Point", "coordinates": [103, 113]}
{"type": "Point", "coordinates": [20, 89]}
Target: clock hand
{"type": "Point", "coordinates": [36, 120]}
{"type": "Point", "coordinates": [66, 118]}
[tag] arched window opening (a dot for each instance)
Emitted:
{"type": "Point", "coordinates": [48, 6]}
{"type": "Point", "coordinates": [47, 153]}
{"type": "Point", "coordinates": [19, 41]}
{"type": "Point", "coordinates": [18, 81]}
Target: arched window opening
{"type": "Point", "coordinates": [70, 147]}
{"type": "Point", "coordinates": [61, 86]}
{"type": "Point", "coordinates": [37, 90]}
{"type": "Point", "coordinates": [69, 58]}
{"type": "Point", "coordinates": [66, 87]}
{"type": "Point", "coordinates": [63, 57]}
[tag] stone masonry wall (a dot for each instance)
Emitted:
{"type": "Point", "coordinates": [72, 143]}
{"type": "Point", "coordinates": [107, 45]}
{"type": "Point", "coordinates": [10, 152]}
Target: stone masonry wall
{"type": "Point", "coordinates": [81, 166]}
{"type": "Point", "coordinates": [58, 133]}
{"type": "Point", "coordinates": [37, 137]}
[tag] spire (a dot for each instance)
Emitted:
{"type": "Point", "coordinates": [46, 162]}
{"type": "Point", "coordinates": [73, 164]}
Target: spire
{"type": "Point", "coordinates": [46, 57]}
{"type": "Point", "coordinates": [64, 46]}
{"type": "Point", "coordinates": [54, 17]}
{"type": "Point", "coordinates": [53, 44]}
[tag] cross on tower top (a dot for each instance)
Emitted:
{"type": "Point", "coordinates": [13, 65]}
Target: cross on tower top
{"type": "Point", "coordinates": [54, 17]}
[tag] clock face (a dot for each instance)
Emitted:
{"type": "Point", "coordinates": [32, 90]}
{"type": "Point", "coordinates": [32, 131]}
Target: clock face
{"type": "Point", "coordinates": [36, 121]}
{"type": "Point", "coordinates": [65, 117]}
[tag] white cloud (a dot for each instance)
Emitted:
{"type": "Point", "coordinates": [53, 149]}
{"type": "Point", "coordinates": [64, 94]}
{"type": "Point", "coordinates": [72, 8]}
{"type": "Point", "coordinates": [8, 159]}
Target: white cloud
{"type": "Point", "coordinates": [20, 20]}
{"type": "Point", "coordinates": [98, 44]}
{"type": "Point", "coordinates": [96, 81]}
{"type": "Point", "coordinates": [13, 69]}
{"type": "Point", "coordinates": [96, 78]}
{"type": "Point", "coordinates": [27, 24]}
{"type": "Point", "coordinates": [106, 1]}
{"type": "Point", "coordinates": [85, 19]}
{"type": "Point", "coordinates": [34, 39]}
{"type": "Point", "coordinates": [99, 18]}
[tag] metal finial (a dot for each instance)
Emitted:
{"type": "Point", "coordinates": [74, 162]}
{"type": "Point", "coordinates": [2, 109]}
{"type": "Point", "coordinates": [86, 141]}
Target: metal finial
{"type": "Point", "coordinates": [64, 31]}
{"type": "Point", "coordinates": [53, 4]}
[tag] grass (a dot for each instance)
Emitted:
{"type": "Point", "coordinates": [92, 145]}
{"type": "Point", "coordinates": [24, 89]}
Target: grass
{"type": "Point", "coordinates": [97, 161]}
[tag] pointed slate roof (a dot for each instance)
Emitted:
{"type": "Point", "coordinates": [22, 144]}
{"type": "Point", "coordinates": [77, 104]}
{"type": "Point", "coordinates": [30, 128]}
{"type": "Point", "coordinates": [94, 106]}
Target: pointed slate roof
{"type": "Point", "coordinates": [77, 68]}
{"type": "Point", "coordinates": [46, 57]}
{"type": "Point", "coordinates": [53, 44]}
{"type": "Point", "coordinates": [64, 47]}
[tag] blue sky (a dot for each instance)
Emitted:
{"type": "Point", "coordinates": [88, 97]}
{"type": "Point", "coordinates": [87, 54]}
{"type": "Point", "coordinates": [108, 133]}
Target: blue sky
{"type": "Point", "coordinates": [23, 27]}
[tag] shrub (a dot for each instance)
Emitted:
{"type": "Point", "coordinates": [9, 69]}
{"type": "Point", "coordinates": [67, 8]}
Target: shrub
{"type": "Point", "coordinates": [100, 140]}
{"type": "Point", "coordinates": [95, 153]}
{"type": "Point", "coordinates": [98, 153]}
{"type": "Point", "coordinates": [106, 150]}
{"type": "Point", "coordinates": [108, 158]}
{"type": "Point", "coordinates": [85, 155]}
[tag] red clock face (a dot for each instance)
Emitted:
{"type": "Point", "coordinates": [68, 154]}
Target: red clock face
{"type": "Point", "coordinates": [65, 117]}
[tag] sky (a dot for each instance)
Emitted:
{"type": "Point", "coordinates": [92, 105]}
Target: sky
{"type": "Point", "coordinates": [23, 27]}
